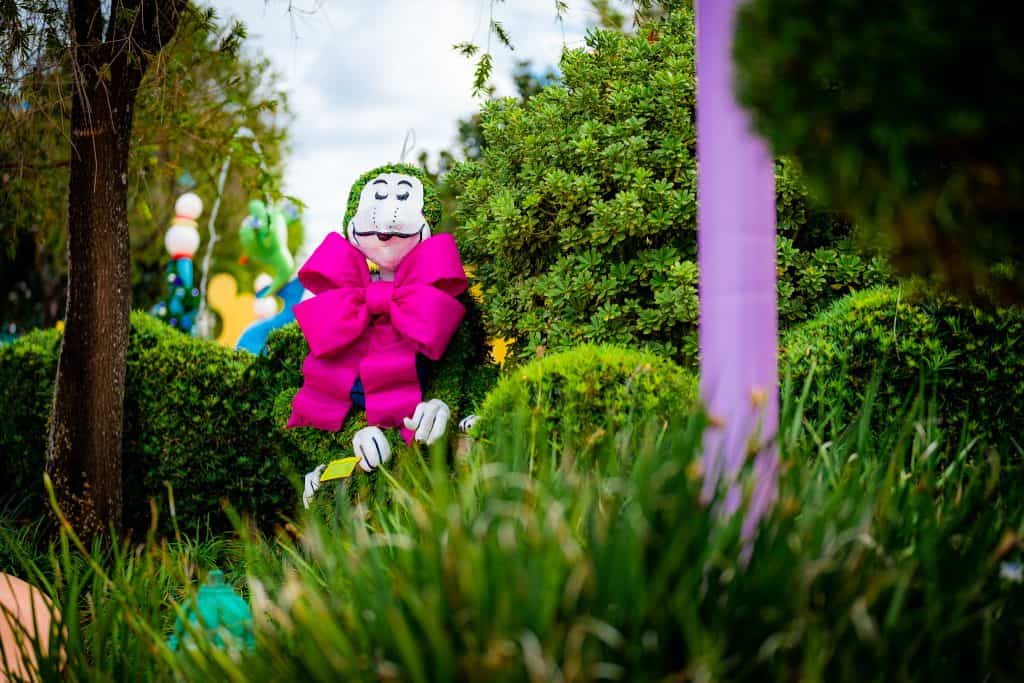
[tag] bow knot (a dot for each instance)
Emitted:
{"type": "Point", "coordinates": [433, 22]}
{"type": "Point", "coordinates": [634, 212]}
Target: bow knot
{"type": "Point", "coordinates": [378, 297]}
{"type": "Point", "coordinates": [373, 330]}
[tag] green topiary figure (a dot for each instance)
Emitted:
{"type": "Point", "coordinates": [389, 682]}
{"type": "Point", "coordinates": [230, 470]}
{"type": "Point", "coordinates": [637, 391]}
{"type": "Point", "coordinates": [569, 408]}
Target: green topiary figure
{"type": "Point", "coordinates": [968, 361]}
{"type": "Point", "coordinates": [580, 396]}
{"type": "Point", "coordinates": [374, 333]}
{"type": "Point", "coordinates": [580, 216]}
{"type": "Point", "coordinates": [906, 115]}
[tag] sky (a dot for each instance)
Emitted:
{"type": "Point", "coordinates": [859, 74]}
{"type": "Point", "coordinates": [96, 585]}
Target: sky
{"type": "Point", "coordinates": [359, 74]}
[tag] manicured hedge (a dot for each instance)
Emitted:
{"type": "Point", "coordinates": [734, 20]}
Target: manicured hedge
{"type": "Point", "coordinates": [207, 420]}
{"type": "Point", "coordinates": [967, 361]}
{"type": "Point", "coordinates": [584, 395]}
{"type": "Point", "coordinates": [581, 213]}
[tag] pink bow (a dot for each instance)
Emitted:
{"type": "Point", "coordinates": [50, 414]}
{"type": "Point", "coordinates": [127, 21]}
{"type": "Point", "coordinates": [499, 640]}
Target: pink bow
{"type": "Point", "coordinates": [358, 328]}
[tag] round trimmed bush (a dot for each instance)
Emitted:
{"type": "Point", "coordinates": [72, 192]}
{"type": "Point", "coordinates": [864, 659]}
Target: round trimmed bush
{"type": "Point", "coordinates": [581, 396]}
{"type": "Point", "coordinates": [968, 361]}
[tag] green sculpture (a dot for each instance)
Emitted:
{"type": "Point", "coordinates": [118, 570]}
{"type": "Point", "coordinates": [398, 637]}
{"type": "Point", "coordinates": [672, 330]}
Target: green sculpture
{"type": "Point", "coordinates": [217, 609]}
{"type": "Point", "coordinates": [264, 237]}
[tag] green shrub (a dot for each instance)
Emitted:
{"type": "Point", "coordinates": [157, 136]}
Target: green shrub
{"type": "Point", "coordinates": [580, 216]}
{"type": "Point", "coordinates": [27, 370]}
{"type": "Point", "coordinates": [208, 420]}
{"type": "Point", "coordinates": [902, 114]}
{"type": "Point", "coordinates": [888, 344]}
{"type": "Point", "coordinates": [587, 394]}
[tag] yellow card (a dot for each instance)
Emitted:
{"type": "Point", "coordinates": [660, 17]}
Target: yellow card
{"type": "Point", "coordinates": [339, 469]}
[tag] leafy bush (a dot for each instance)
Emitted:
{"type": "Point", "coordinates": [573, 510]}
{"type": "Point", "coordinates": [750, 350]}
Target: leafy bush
{"type": "Point", "coordinates": [580, 216]}
{"type": "Point", "coordinates": [902, 115]}
{"type": "Point", "coordinates": [27, 369]}
{"type": "Point", "coordinates": [207, 420]}
{"type": "Point", "coordinates": [581, 396]}
{"type": "Point", "coordinates": [873, 567]}
{"type": "Point", "coordinates": [884, 345]}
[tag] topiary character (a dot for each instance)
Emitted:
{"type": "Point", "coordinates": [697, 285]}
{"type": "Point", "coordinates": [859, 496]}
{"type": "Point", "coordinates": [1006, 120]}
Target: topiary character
{"type": "Point", "coordinates": [372, 335]}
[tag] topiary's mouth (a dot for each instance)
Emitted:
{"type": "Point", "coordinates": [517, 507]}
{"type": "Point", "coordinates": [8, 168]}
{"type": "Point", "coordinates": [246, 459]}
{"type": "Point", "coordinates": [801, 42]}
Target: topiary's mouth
{"type": "Point", "coordinates": [385, 236]}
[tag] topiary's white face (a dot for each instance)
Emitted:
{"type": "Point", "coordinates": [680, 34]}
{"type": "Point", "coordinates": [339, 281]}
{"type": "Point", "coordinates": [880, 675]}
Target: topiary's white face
{"type": "Point", "coordinates": [389, 221]}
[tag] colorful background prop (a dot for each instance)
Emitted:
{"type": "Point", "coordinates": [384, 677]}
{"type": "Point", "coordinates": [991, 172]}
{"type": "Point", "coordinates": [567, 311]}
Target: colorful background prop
{"type": "Point", "coordinates": [218, 610]}
{"type": "Point", "coordinates": [236, 310]}
{"type": "Point", "coordinates": [180, 306]}
{"type": "Point", "coordinates": [264, 237]}
{"type": "Point", "coordinates": [25, 615]}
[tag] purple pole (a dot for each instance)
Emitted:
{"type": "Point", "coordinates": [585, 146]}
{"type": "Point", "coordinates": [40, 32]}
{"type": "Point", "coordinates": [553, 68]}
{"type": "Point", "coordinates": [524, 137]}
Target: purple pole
{"type": "Point", "coordinates": [736, 254]}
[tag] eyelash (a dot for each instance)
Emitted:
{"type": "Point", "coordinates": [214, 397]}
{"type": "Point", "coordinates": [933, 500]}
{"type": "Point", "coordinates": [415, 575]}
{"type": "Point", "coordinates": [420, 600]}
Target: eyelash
{"type": "Point", "coordinates": [402, 197]}
{"type": "Point", "coordinates": [378, 195]}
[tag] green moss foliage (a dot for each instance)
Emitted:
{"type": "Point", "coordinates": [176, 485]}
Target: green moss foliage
{"type": "Point", "coordinates": [582, 396]}
{"type": "Point", "coordinates": [209, 421]}
{"type": "Point", "coordinates": [879, 347]}
{"type": "Point", "coordinates": [581, 213]}
{"type": "Point", "coordinates": [904, 115]}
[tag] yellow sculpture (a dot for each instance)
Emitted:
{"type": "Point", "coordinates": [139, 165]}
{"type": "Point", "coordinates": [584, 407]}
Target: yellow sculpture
{"type": "Point", "coordinates": [236, 310]}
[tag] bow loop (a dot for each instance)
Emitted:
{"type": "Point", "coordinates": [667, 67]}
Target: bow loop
{"type": "Point", "coordinates": [334, 264]}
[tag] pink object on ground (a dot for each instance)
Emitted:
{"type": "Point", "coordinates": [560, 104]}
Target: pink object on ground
{"type": "Point", "coordinates": [359, 328]}
{"type": "Point", "coordinates": [25, 616]}
{"type": "Point", "coordinates": [736, 251]}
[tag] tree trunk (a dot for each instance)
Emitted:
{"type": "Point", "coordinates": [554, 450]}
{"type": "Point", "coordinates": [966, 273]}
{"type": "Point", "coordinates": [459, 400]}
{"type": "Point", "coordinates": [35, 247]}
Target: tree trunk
{"type": "Point", "coordinates": [88, 410]}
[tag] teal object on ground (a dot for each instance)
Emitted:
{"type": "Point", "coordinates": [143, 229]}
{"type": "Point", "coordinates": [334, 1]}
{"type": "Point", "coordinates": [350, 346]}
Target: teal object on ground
{"type": "Point", "coordinates": [216, 607]}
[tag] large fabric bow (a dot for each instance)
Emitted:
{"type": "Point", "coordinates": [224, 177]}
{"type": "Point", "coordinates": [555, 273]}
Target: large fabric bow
{"type": "Point", "coordinates": [358, 328]}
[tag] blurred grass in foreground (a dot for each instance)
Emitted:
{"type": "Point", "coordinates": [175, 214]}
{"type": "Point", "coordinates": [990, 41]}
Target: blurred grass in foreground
{"type": "Point", "coordinates": [884, 559]}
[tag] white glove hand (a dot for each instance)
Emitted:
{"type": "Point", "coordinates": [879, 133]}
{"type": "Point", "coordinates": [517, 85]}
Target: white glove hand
{"type": "Point", "coordinates": [372, 448]}
{"type": "Point", "coordinates": [312, 484]}
{"type": "Point", "coordinates": [429, 421]}
{"type": "Point", "coordinates": [467, 423]}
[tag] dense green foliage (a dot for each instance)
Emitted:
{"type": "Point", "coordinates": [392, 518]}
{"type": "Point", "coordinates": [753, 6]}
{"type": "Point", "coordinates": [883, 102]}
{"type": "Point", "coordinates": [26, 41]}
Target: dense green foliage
{"type": "Point", "coordinates": [966, 364]}
{"type": "Point", "coordinates": [198, 92]}
{"type": "Point", "coordinates": [589, 393]}
{"type": "Point", "coordinates": [207, 420]}
{"type": "Point", "coordinates": [580, 214]}
{"type": "Point", "coordinates": [905, 115]}
{"type": "Point", "coordinates": [27, 369]}
{"type": "Point", "coordinates": [876, 565]}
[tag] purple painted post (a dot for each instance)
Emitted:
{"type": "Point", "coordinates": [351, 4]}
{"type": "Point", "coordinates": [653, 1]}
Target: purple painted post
{"type": "Point", "coordinates": [736, 252]}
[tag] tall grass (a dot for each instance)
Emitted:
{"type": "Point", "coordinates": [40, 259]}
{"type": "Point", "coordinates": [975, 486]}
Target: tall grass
{"type": "Point", "coordinates": [882, 561]}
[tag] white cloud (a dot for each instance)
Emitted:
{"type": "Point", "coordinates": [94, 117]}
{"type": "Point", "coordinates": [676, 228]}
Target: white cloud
{"type": "Point", "coordinates": [359, 74]}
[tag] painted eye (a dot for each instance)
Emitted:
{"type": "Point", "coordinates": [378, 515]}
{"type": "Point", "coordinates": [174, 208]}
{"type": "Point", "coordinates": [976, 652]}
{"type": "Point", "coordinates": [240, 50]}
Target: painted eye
{"type": "Point", "coordinates": [402, 197]}
{"type": "Point", "coordinates": [378, 195]}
